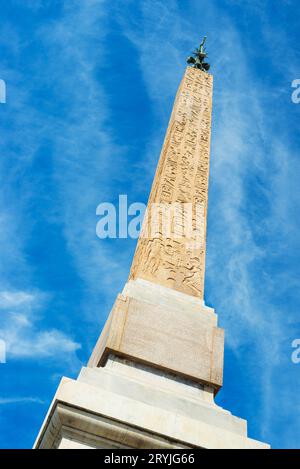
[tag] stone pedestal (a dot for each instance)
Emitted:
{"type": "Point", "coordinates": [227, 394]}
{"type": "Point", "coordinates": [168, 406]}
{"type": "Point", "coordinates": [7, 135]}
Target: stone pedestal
{"type": "Point", "coordinates": [125, 405]}
{"type": "Point", "coordinates": [165, 329]}
{"type": "Point", "coordinates": [150, 382]}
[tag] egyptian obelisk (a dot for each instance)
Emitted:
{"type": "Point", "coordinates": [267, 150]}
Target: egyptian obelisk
{"type": "Point", "coordinates": [158, 364]}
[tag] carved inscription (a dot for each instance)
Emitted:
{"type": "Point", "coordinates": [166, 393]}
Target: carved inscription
{"type": "Point", "coordinates": [177, 259]}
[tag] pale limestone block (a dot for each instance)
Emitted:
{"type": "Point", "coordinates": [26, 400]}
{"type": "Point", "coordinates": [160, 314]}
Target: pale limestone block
{"type": "Point", "coordinates": [67, 443]}
{"type": "Point", "coordinates": [182, 339]}
{"type": "Point", "coordinates": [102, 415]}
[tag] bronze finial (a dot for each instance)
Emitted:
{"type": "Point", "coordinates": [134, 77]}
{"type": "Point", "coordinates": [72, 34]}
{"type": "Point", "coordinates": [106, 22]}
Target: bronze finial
{"type": "Point", "coordinates": [197, 60]}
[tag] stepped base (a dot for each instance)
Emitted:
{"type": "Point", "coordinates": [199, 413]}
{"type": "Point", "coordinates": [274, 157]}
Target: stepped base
{"type": "Point", "coordinates": [150, 382]}
{"type": "Point", "coordinates": [129, 405]}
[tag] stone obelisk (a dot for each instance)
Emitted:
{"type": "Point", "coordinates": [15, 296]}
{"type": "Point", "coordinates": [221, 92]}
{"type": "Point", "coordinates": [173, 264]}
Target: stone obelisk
{"type": "Point", "coordinates": [154, 372]}
{"type": "Point", "coordinates": [181, 178]}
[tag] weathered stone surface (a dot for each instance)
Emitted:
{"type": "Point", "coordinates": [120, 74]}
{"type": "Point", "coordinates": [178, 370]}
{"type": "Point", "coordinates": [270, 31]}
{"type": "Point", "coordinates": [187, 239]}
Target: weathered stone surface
{"type": "Point", "coordinates": [145, 325]}
{"type": "Point", "coordinates": [127, 406]}
{"type": "Point", "coordinates": [181, 177]}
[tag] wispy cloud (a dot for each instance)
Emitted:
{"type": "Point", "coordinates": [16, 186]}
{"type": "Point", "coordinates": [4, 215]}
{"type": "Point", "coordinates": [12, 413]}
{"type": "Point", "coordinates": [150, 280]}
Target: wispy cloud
{"type": "Point", "coordinates": [83, 151]}
{"type": "Point", "coordinates": [13, 299]}
{"type": "Point", "coordinates": [20, 400]}
{"type": "Point", "coordinates": [19, 328]}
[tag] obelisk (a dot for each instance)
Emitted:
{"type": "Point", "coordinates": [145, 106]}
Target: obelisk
{"type": "Point", "coordinates": [154, 372]}
{"type": "Point", "coordinates": [181, 178]}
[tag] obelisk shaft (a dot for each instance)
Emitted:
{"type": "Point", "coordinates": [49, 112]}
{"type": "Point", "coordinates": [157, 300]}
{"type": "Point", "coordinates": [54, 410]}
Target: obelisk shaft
{"type": "Point", "coordinates": [181, 178]}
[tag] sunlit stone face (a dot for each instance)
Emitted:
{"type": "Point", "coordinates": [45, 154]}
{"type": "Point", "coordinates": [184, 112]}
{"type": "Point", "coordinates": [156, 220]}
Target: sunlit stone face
{"type": "Point", "coordinates": [171, 248]}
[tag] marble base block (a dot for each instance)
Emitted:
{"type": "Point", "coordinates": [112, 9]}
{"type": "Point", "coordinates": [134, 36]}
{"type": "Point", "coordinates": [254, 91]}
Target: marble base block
{"type": "Point", "coordinates": [128, 405]}
{"type": "Point", "coordinates": [150, 382]}
{"type": "Point", "coordinates": [165, 329]}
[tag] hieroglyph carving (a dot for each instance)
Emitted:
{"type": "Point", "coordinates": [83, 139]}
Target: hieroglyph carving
{"type": "Point", "coordinates": [176, 259]}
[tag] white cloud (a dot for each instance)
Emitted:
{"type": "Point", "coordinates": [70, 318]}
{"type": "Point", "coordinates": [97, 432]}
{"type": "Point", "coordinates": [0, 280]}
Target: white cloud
{"type": "Point", "coordinates": [20, 400]}
{"type": "Point", "coordinates": [12, 299]}
{"type": "Point", "coordinates": [19, 328]}
{"type": "Point", "coordinates": [87, 162]}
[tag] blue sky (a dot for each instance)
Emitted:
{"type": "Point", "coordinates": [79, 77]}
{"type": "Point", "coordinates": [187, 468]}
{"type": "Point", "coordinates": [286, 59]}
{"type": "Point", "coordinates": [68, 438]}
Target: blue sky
{"type": "Point", "coordinates": [90, 87]}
